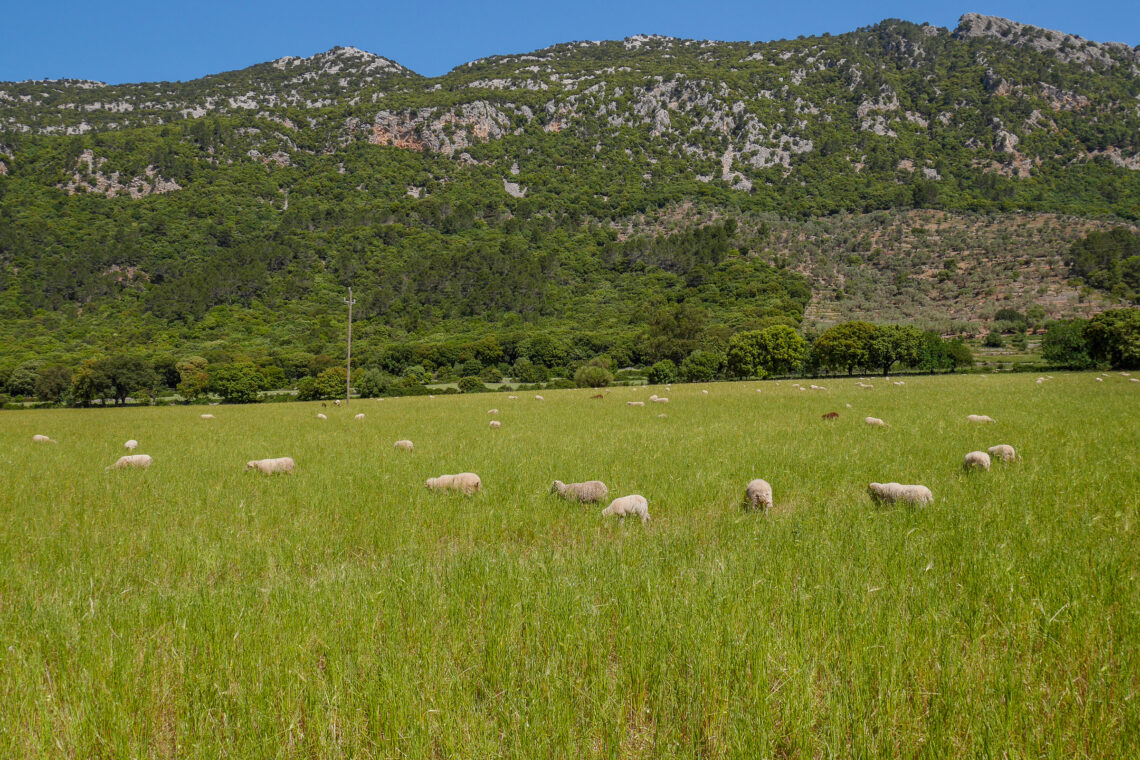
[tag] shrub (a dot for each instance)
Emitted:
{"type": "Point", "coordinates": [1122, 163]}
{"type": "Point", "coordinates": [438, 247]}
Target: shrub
{"type": "Point", "coordinates": [592, 377]}
{"type": "Point", "coordinates": [993, 339]}
{"type": "Point", "coordinates": [664, 371]}
{"type": "Point", "coordinates": [471, 384]}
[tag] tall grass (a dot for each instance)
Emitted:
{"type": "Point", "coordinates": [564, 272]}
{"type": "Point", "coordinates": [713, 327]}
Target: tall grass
{"type": "Point", "coordinates": [195, 610]}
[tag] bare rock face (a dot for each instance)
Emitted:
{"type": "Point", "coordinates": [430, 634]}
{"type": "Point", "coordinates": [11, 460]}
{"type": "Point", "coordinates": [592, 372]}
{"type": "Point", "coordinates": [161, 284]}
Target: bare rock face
{"type": "Point", "coordinates": [1068, 48]}
{"type": "Point", "coordinates": [90, 178]}
{"type": "Point", "coordinates": [446, 132]}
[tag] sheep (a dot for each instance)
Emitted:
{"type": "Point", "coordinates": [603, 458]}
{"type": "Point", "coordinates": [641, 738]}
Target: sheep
{"type": "Point", "coordinates": [660, 400]}
{"type": "Point", "coordinates": [628, 505]}
{"type": "Point", "coordinates": [359, 416]}
{"type": "Point", "coordinates": [874, 421]}
{"type": "Point", "coordinates": [431, 395]}
{"type": "Point", "coordinates": [270, 466]}
{"type": "Point", "coordinates": [979, 418]}
{"type": "Point", "coordinates": [662, 416]}
{"type": "Point", "coordinates": [635, 403]}
{"type": "Point", "coordinates": [321, 416]}
{"type": "Point", "coordinates": [1003, 451]}
{"type": "Point", "coordinates": [849, 406]}
{"type": "Point", "coordinates": [759, 390]}
{"type": "Point", "coordinates": [600, 395]}
{"type": "Point", "coordinates": [42, 439]}
{"type": "Point", "coordinates": [512, 398]}
{"type": "Point", "coordinates": [653, 397]}
{"type": "Point", "coordinates": [467, 482]}
{"type": "Point", "coordinates": [539, 398]}
{"type": "Point", "coordinates": [899, 382]}
{"type": "Point", "coordinates": [495, 424]}
{"type": "Point", "coordinates": [831, 416]}
{"type": "Point", "coordinates": [890, 493]}
{"type": "Point", "coordinates": [589, 491]}
{"type": "Point", "coordinates": [404, 445]}
{"type": "Point", "coordinates": [1099, 379]}
{"type": "Point", "coordinates": [132, 460]}
{"type": "Point", "coordinates": [206, 416]}
{"type": "Point", "coordinates": [1133, 380]}
{"type": "Point", "coordinates": [1040, 380]}
{"type": "Point", "coordinates": [131, 445]}
{"type": "Point", "coordinates": [976, 460]}
{"type": "Point", "coordinates": [818, 388]}
{"type": "Point", "coordinates": [758, 495]}
{"type": "Point", "coordinates": [492, 411]}
{"type": "Point", "coordinates": [336, 402]}
{"type": "Point", "coordinates": [705, 393]}
{"type": "Point", "coordinates": [868, 387]}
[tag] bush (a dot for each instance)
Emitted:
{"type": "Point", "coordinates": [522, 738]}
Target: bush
{"type": "Point", "coordinates": [993, 339]}
{"type": "Point", "coordinates": [307, 389]}
{"type": "Point", "coordinates": [592, 377]}
{"type": "Point", "coordinates": [371, 383]}
{"type": "Point", "coordinates": [471, 384]}
{"type": "Point", "coordinates": [664, 371]}
{"type": "Point", "coordinates": [701, 366]}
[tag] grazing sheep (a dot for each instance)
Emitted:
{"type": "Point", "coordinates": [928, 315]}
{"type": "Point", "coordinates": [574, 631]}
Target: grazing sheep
{"type": "Point", "coordinates": [492, 411]}
{"type": "Point", "coordinates": [899, 382]}
{"type": "Point", "coordinates": [539, 398]}
{"type": "Point", "coordinates": [874, 421]}
{"type": "Point", "coordinates": [979, 418]}
{"type": "Point", "coordinates": [42, 439]}
{"type": "Point", "coordinates": [512, 398]}
{"type": "Point", "coordinates": [758, 494]}
{"type": "Point", "coordinates": [889, 493]}
{"type": "Point", "coordinates": [662, 415]}
{"type": "Point", "coordinates": [270, 466]}
{"type": "Point", "coordinates": [635, 403]}
{"type": "Point", "coordinates": [336, 402]}
{"type": "Point", "coordinates": [818, 388]}
{"type": "Point", "coordinates": [359, 416]}
{"type": "Point", "coordinates": [1040, 380]}
{"type": "Point", "coordinates": [705, 392]}
{"type": "Point", "coordinates": [132, 460]}
{"type": "Point", "coordinates": [976, 460]}
{"type": "Point", "coordinates": [1099, 379]}
{"type": "Point", "coordinates": [467, 482]}
{"type": "Point", "coordinates": [868, 387]}
{"type": "Point", "coordinates": [206, 416]}
{"type": "Point", "coordinates": [628, 505]}
{"type": "Point", "coordinates": [495, 424]}
{"type": "Point", "coordinates": [1003, 451]}
{"type": "Point", "coordinates": [431, 396]}
{"type": "Point", "coordinates": [831, 416]}
{"type": "Point", "coordinates": [321, 416]}
{"type": "Point", "coordinates": [759, 390]}
{"type": "Point", "coordinates": [848, 406]}
{"type": "Point", "coordinates": [1133, 380]}
{"type": "Point", "coordinates": [131, 445]}
{"type": "Point", "coordinates": [590, 491]}
{"type": "Point", "coordinates": [404, 445]}
{"type": "Point", "coordinates": [653, 397]}
{"type": "Point", "coordinates": [668, 389]}
{"type": "Point", "coordinates": [659, 400]}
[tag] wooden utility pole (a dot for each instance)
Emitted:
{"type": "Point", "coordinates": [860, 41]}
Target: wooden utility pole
{"type": "Point", "coordinates": [348, 364]}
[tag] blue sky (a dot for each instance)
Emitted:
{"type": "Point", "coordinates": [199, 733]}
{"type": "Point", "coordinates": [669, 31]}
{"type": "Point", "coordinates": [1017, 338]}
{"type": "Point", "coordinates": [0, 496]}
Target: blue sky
{"type": "Point", "coordinates": [130, 41]}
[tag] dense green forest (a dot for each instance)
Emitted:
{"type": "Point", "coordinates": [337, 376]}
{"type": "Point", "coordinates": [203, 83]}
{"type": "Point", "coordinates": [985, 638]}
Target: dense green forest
{"type": "Point", "coordinates": [587, 195]}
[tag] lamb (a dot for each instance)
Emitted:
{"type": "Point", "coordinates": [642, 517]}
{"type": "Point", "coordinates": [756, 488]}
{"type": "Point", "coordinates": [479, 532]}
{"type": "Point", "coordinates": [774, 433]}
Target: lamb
{"type": "Point", "coordinates": [539, 398]}
{"type": "Point", "coordinates": [758, 494]}
{"type": "Point", "coordinates": [979, 418]}
{"type": "Point", "coordinates": [42, 439]}
{"type": "Point", "coordinates": [359, 416]}
{"type": "Point", "coordinates": [705, 392]}
{"type": "Point", "coordinates": [270, 466]}
{"type": "Point", "coordinates": [635, 403]}
{"type": "Point", "coordinates": [889, 493]}
{"type": "Point", "coordinates": [132, 460]}
{"type": "Point", "coordinates": [1003, 451]}
{"type": "Point", "coordinates": [404, 445]}
{"type": "Point", "coordinates": [976, 460]}
{"type": "Point", "coordinates": [831, 416]}
{"type": "Point", "coordinates": [874, 421]}
{"type": "Point", "coordinates": [321, 416]}
{"type": "Point", "coordinates": [589, 491]}
{"type": "Point", "coordinates": [131, 445]}
{"type": "Point", "coordinates": [1099, 379]}
{"type": "Point", "coordinates": [492, 411]}
{"type": "Point", "coordinates": [467, 482]}
{"type": "Point", "coordinates": [495, 424]}
{"type": "Point", "coordinates": [206, 416]}
{"type": "Point", "coordinates": [628, 505]}
{"type": "Point", "coordinates": [653, 397]}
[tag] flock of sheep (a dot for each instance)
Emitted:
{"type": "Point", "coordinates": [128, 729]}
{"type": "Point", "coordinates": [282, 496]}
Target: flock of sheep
{"type": "Point", "coordinates": [757, 495]}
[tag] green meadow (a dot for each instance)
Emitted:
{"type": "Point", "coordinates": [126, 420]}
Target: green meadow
{"type": "Point", "coordinates": [196, 610]}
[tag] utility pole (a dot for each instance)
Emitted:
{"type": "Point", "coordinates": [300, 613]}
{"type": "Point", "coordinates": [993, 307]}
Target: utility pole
{"type": "Point", "coordinates": [348, 364]}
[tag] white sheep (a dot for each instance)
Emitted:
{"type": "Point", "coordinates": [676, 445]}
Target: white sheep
{"type": "Point", "coordinates": [979, 418]}
{"type": "Point", "coordinates": [868, 387]}
{"type": "Point", "coordinates": [321, 416]}
{"type": "Point", "coordinates": [1040, 380]}
{"type": "Point", "coordinates": [270, 466]}
{"type": "Point", "coordinates": [662, 416]}
{"type": "Point", "coordinates": [589, 491]}
{"type": "Point", "coordinates": [539, 398]}
{"type": "Point", "coordinates": [628, 505]}
{"type": "Point", "coordinates": [848, 406]}
{"type": "Point", "coordinates": [759, 390]}
{"type": "Point", "coordinates": [758, 494]}
{"type": "Point", "coordinates": [512, 398]}
{"type": "Point", "coordinates": [132, 460]}
{"type": "Point", "coordinates": [660, 400]}
{"type": "Point", "coordinates": [874, 421]}
{"type": "Point", "coordinates": [1003, 451]}
{"type": "Point", "coordinates": [492, 411]}
{"type": "Point", "coordinates": [976, 460]}
{"type": "Point", "coordinates": [131, 445]}
{"type": "Point", "coordinates": [336, 402]}
{"type": "Point", "coordinates": [467, 482]}
{"type": "Point", "coordinates": [1133, 380]}
{"type": "Point", "coordinates": [899, 382]}
{"type": "Point", "coordinates": [890, 493]}
{"type": "Point", "coordinates": [818, 388]}
{"type": "Point", "coordinates": [359, 416]}
{"type": "Point", "coordinates": [653, 397]}
{"type": "Point", "coordinates": [404, 445]}
{"type": "Point", "coordinates": [1099, 379]}
{"type": "Point", "coordinates": [42, 439]}
{"type": "Point", "coordinates": [635, 403]}
{"type": "Point", "coordinates": [703, 392]}
{"type": "Point", "coordinates": [206, 416]}
{"type": "Point", "coordinates": [495, 424]}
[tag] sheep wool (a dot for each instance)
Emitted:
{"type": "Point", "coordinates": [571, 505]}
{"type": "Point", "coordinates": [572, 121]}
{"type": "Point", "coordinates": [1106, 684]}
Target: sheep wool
{"type": "Point", "coordinates": [979, 418]}
{"type": "Point", "coordinates": [758, 494]}
{"type": "Point", "coordinates": [635, 403]}
{"type": "Point", "coordinates": [1003, 451]}
{"type": "Point", "coordinates": [359, 416]}
{"type": "Point", "coordinates": [889, 493]}
{"type": "Point", "coordinates": [466, 482]}
{"type": "Point", "coordinates": [976, 460]}
{"type": "Point", "coordinates": [539, 398]}
{"type": "Point", "coordinates": [589, 491]}
{"type": "Point", "coordinates": [874, 421]}
{"type": "Point", "coordinates": [321, 416]}
{"type": "Point", "coordinates": [206, 416]}
{"type": "Point", "coordinates": [660, 400]}
{"type": "Point", "coordinates": [495, 424]}
{"type": "Point", "coordinates": [404, 445]}
{"type": "Point", "coordinates": [42, 439]}
{"type": "Point", "coordinates": [131, 445]}
{"type": "Point", "coordinates": [492, 411]}
{"type": "Point", "coordinates": [132, 460]}
{"type": "Point", "coordinates": [628, 505]}
{"type": "Point", "coordinates": [270, 466]}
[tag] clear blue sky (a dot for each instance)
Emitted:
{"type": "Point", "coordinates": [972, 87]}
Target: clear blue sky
{"type": "Point", "coordinates": [130, 41]}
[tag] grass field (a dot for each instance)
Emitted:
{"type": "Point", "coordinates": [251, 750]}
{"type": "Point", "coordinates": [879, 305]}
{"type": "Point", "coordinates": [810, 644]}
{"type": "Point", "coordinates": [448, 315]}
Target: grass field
{"type": "Point", "coordinates": [195, 610]}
